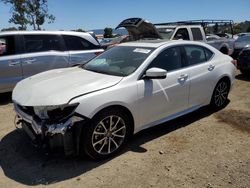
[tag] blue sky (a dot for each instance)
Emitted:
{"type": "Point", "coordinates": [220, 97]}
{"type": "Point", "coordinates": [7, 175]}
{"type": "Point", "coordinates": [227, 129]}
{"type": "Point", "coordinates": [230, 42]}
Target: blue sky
{"type": "Point", "coordinates": [98, 14]}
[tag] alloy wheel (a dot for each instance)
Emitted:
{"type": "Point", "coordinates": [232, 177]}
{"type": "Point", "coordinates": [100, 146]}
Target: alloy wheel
{"type": "Point", "coordinates": [221, 94]}
{"type": "Point", "coordinates": [108, 135]}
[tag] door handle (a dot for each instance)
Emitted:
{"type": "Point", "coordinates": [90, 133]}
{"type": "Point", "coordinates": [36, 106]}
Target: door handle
{"type": "Point", "coordinates": [182, 77]}
{"type": "Point", "coordinates": [30, 61]}
{"type": "Point", "coordinates": [211, 67]}
{"type": "Point", "coordinates": [13, 63]}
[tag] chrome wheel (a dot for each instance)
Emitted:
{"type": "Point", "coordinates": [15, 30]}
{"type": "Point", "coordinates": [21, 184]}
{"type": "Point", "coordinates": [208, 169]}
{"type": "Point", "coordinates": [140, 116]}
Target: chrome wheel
{"type": "Point", "coordinates": [108, 135]}
{"type": "Point", "coordinates": [221, 94]}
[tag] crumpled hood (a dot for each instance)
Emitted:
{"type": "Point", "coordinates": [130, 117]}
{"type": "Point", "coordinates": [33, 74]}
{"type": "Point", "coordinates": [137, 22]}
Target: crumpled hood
{"type": "Point", "coordinates": [56, 87]}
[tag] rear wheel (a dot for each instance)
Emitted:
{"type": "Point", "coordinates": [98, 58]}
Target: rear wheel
{"type": "Point", "coordinates": [224, 50]}
{"type": "Point", "coordinates": [107, 134]}
{"type": "Point", "coordinates": [220, 94]}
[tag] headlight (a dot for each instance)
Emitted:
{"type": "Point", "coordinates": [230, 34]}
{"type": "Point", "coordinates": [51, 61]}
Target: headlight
{"type": "Point", "coordinates": [53, 113]}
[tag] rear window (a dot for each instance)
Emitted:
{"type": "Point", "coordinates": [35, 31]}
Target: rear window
{"type": "Point", "coordinates": [208, 54]}
{"type": "Point", "coordinates": [195, 54]}
{"type": "Point", "coordinates": [74, 43]}
{"type": "Point", "coordinates": [41, 43]}
{"type": "Point", "coordinates": [196, 34]}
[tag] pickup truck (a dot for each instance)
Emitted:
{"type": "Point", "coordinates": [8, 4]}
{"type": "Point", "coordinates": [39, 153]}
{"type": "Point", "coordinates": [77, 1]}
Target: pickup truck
{"type": "Point", "coordinates": [139, 28]}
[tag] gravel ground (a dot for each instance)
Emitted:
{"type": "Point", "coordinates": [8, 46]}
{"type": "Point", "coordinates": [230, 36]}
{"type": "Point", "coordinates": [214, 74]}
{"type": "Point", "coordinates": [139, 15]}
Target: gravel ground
{"type": "Point", "coordinates": [201, 149]}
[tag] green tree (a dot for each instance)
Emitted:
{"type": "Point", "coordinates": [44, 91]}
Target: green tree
{"type": "Point", "coordinates": [237, 28]}
{"type": "Point", "coordinates": [32, 12]}
{"type": "Point", "coordinates": [108, 32]}
{"type": "Point", "coordinates": [9, 29]}
{"type": "Point", "coordinates": [79, 30]}
{"type": "Point", "coordinates": [18, 14]}
{"type": "Point", "coordinates": [37, 13]}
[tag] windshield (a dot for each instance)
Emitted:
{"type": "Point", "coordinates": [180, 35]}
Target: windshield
{"type": "Point", "coordinates": [119, 60]}
{"type": "Point", "coordinates": [166, 33]}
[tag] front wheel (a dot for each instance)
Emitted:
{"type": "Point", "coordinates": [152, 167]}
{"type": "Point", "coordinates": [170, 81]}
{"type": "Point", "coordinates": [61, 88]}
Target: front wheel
{"type": "Point", "coordinates": [106, 135]}
{"type": "Point", "coordinates": [220, 94]}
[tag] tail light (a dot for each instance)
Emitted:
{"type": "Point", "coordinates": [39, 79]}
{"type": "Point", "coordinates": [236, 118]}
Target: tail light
{"type": "Point", "coordinates": [234, 61]}
{"type": "Point", "coordinates": [97, 53]}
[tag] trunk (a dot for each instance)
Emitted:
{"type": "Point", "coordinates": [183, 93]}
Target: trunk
{"type": "Point", "coordinates": [139, 28]}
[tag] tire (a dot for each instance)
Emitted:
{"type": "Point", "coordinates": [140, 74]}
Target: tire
{"type": "Point", "coordinates": [101, 139]}
{"type": "Point", "coordinates": [220, 94]}
{"type": "Point", "coordinates": [224, 50]}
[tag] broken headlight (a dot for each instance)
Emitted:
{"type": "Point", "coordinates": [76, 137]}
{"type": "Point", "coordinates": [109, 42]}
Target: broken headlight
{"type": "Point", "coordinates": [55, 113]}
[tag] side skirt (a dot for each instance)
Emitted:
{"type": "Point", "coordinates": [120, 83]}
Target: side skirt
{"type": "Point", "coordinates": [168, 118]}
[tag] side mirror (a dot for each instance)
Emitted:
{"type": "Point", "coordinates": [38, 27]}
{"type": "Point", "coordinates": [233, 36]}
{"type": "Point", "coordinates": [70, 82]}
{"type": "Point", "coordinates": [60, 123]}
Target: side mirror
{"type": "Point", "coordinates": [156, 73]}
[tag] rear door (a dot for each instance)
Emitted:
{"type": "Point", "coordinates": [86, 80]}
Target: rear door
{"type": "Point", "coordinates": [10, 65]}
{"type": "Point", "coordinates": [80, 50]}
{"type": "Point", "coordinates": [43, 52]}
{"type": "Point", "coordinates": [200, 70]}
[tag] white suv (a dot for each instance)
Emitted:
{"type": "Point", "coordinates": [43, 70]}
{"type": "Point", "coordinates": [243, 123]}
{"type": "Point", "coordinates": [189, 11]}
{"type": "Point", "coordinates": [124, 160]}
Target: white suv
{"type": "Point", "coordinates": [25, 53]}
{"type": "Point", "coordinates": [94, 108]}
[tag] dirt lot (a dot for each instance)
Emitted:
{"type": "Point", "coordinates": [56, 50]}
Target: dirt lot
{"type": "Point", "coordinates": [202, 149]}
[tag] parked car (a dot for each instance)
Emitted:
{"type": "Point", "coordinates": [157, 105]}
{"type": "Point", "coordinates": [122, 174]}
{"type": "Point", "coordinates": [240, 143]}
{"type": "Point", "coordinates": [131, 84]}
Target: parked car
{"type": "Point", "coordinates": [243, 34]}
{"type": "Point", "coordinates": [25, 53]}
{"type": "Point", "coordinates": [227, 35]}
{"type": "Point", "coordinates": [243, 61]}
{"type": "Point", "coordinates": [107, 43]}
{"type": "Point", "coordinates": [139, 28]}
{"type": "Point", "coordinates": [94, 108]}
{"type": "Point", "coordinates": [241, 43]}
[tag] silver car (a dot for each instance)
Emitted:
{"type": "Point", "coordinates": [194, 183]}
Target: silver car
{"type": "Point", "coordinates": [25, 53]}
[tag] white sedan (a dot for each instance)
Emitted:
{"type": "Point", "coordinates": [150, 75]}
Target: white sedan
{"type": "Point", "coordinates": [93, 109]}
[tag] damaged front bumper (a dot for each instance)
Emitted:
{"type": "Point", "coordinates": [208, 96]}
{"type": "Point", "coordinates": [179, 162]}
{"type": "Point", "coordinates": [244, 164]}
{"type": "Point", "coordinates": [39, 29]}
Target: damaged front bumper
{"type": "Point", "coordinates": [65, 134]}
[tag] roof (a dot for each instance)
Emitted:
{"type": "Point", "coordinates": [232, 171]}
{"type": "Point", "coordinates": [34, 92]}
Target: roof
{"type": "Point", "coordinates": [85, 35]}
{"type": "Point", "coordinates": [159, 42]}
{"type": "Point", "coordinates": [43, 32]}
{"type": "Point", "coordinates": [174, 26]}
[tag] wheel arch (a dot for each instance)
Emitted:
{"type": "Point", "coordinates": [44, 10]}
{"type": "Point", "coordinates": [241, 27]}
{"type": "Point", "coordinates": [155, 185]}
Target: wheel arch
{"type": "Point", "coordinates": [223, 77]}
{"type": "Point", "coordinates": [227, 79]}
{"type": "Point", "coordinates": [224, 49]}
{"type": "Point", "coordinates": [123, 109]}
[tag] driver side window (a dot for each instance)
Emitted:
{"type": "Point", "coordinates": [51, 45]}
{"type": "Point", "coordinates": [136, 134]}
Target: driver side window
{"type": "Point", "coordinates": [182, 33]}
{"type": "Point", "coordinates": [169, 59]}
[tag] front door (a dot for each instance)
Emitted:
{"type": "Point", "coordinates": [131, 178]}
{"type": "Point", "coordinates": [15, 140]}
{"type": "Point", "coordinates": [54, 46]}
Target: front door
{"type": "Point", "coordinates": [10, 64]}
{"type": "Point", "coordinates": [161, 98]}
{"type": "Point", "coordinates": [80, 50]}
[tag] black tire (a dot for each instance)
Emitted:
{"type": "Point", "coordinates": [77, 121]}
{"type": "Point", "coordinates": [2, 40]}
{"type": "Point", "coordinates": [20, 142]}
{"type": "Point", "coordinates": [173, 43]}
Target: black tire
{"type": "Point", "coordinates": [99, 140]}
{"type": "Point", "coordinates": [224, 50]}
{"type": "Point", "coordinates": [220, 94]}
